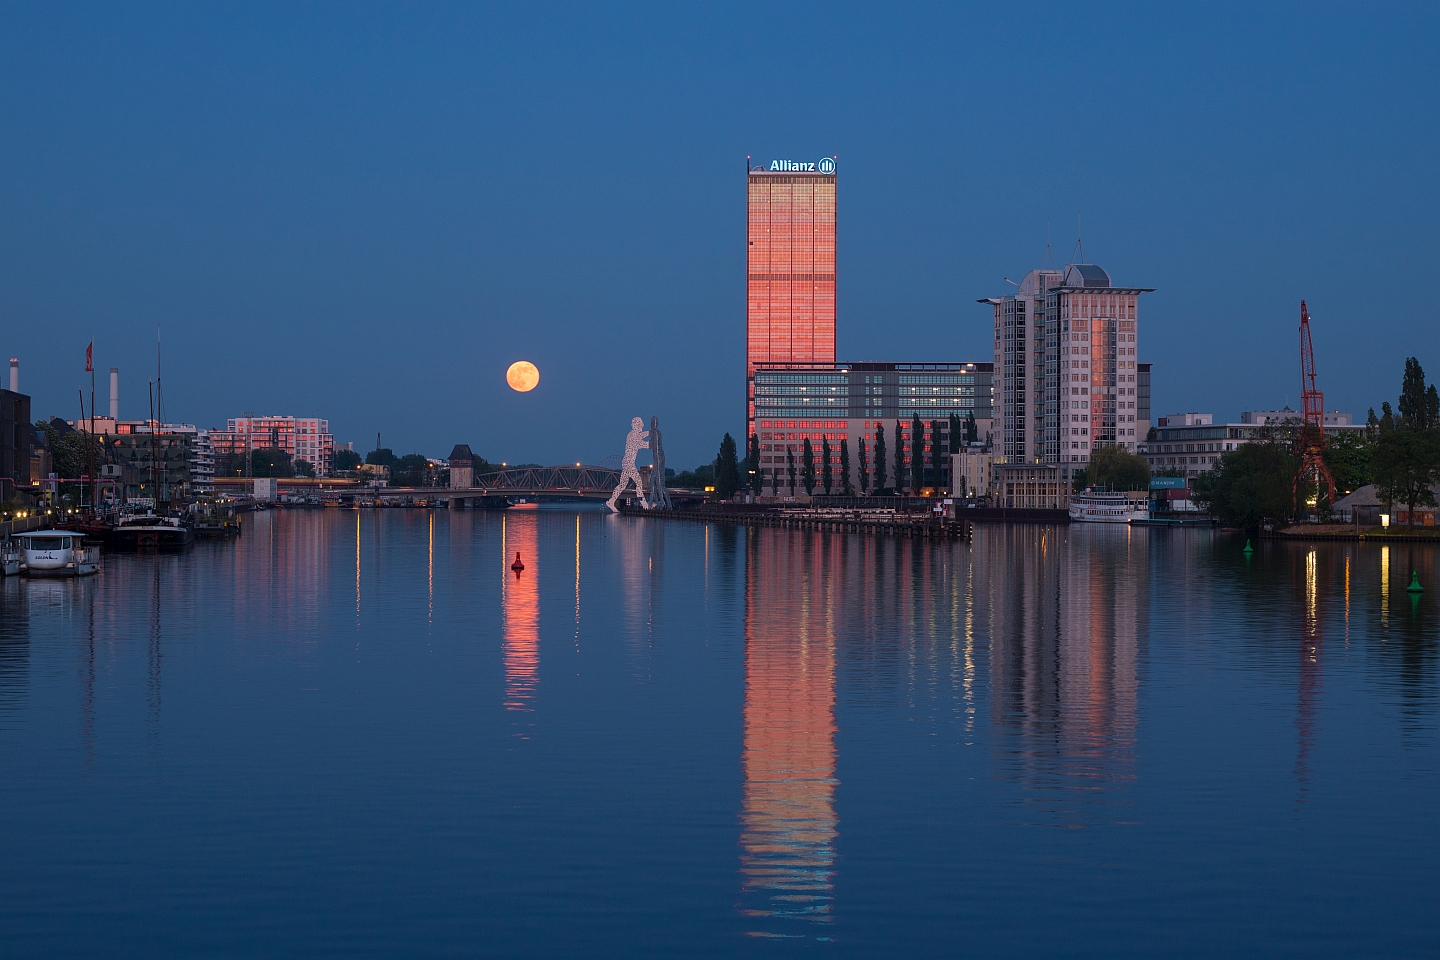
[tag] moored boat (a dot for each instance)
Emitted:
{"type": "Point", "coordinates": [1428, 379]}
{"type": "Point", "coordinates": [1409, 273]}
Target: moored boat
{"type": "Point", "coordinates": [1104, 506]}
{"type": "Point", "coordinates": [10, 557]}
{"type": "Point", "coordinates": [147, 531]}
{"type": "Point", "coordinates": [58, 552]}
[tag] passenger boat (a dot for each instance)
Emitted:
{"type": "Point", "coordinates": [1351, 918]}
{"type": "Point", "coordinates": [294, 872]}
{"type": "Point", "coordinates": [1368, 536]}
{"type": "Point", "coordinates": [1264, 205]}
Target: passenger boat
{"type": "Point", "coordinates": [1104, 506]}
{"type": "Point", "coordinates": [150, 532]}
{"type": "Point", "coordinates": [58, 551]}
{"type": "Point", "coordinates": [10, 557]}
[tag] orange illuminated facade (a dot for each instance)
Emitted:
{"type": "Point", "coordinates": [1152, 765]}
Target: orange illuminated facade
{"type": "Point", "coordinates": [790, 287]}
{"type": "Point", "coordinates": [788, 819]}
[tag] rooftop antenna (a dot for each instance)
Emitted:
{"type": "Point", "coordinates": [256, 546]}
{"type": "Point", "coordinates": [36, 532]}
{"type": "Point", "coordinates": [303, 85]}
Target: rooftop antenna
{"type": "Point", "coordinates": [1079, 255]}
{"type": "Point", "coordinates": [1049, 253]}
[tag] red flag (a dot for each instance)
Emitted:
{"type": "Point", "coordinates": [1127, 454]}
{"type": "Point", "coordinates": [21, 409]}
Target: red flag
{"type": "Point", "coordinates": [89, 363]}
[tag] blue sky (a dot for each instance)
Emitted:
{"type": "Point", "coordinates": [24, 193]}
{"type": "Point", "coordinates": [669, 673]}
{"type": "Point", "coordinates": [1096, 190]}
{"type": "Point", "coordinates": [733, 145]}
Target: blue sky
{"type": "Point", "coordinates": [368, 212]}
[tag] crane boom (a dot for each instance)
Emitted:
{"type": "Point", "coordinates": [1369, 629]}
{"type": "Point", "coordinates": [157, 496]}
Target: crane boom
{"type": "Point", "coordinates": [1312, 433]}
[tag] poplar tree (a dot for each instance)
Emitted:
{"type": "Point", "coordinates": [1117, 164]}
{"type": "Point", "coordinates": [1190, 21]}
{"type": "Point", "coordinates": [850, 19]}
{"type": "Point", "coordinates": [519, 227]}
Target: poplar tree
{"type": "Point", "coordinates": [956, 438]}
{"type": "Point", "coordinates": [807, 468]}
{"type": "Point", "coordinates": [845, 467]}
{"type": "Point", "coordinates": [790, 464]}
{"type": "Point", "coordinates": [900, 456]}
{"type": "Point", "coordinates": [972, 431]}
{"type": "Point", "coordinates": [752, 465]}
{"type": "Point", "coordinates": [916, 454]}
{"type": "Point", "coordinates": [937, 455]}
{"type": "Point", "coordinates": [727, 469]}
{"type": "Point", "coordinates": [864, 468]}
{"type": "Point", "coordinates": [879, 459]}
{"type": "Point", "coordinates": [825, 478]}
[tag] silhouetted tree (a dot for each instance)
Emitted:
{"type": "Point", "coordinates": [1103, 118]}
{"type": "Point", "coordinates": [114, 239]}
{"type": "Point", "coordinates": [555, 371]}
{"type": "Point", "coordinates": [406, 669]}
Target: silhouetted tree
{"type": "Point", "coordinates": [790, 464]}
{"type": "Point", "coordinates": [346, 460]}
{"type": "Point", "coordinates": [752, 465]}
{"type": "Point", "coordinates": [864, 468]}
{"type": "Point", "coordinates": [1117, 469]}
{"type": "Point", "coordinates": [825, 475]}
{"type": "Point", "coordinates": [727, 469]}
{"type": "Point", "coordinates": [917, 454]}
{"type": "Point", "coordinates": [937, 455]}
{"type": "Point", "coordinates": [845, 467]}
{"type": "Point", "coordinates": [957, 428]}
{"type": "Point", "coordinates": [807, 467]}
{"type": "Point", "coordinates": [972, 430]}
{"type": "Point", "coordinates": [879, 459]}
{"type": "Point", "coordinates": [900, 456]}
{"type": "Point", "coordinates": [270, 462]}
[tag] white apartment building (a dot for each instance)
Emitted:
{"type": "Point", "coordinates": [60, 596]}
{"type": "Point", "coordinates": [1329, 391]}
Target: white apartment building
{"type": "Point", "coordinates": [1067, 377]}
{"type": "Point", "coordinates": [301, 438]}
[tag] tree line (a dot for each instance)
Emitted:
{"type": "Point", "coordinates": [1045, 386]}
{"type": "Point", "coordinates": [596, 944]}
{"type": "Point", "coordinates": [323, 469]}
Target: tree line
{"type": "Point", "coordinates": [1398, 451]}
{"type": "Point", "coordinates": [832, 470]}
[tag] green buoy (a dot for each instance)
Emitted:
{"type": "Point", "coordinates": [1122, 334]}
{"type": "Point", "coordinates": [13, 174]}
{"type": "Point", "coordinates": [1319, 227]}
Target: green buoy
{"type": "Point", "coordinates": [1414, 583]}
{"type": "Point", "coordinates": [1248, 548]}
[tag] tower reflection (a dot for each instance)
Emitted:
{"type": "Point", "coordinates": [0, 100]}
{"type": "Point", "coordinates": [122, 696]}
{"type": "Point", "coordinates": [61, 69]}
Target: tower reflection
{"type": "Point", "coordinates": [1066, 621]}
{"type": "Point", "coordinates": [787, 822]}
{"type": "Point", "coordinates": [520, 601]}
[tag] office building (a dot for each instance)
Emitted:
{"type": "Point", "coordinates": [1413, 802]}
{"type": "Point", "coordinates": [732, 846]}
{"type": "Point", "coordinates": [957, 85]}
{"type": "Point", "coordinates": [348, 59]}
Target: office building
{"type": "Point", "coordinates": [852, 401]}
{"type": "Point", "coordinates": [16, 433]}
{"type": "Point", "coordinates": [1193, 443]}
{"type": "Point", "coordinates": [1333, 418]}
{"type": "Point", "coordinates": [1067, 378]}
{"type": "Point", "coordinates": [790, 264]}
{"type": "Point", "coordinates": [299, 438]}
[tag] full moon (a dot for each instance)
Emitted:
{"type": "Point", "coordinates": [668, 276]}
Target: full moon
{"type": "Point", "coordinates": [522, 376]}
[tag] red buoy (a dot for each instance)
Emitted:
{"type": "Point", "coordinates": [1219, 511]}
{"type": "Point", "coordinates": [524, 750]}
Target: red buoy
{"type": "Point", "coordinates": [517, 566]}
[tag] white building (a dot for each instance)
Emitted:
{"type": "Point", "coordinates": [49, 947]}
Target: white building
{"type": "Point", "coordinates": [1067, 377]}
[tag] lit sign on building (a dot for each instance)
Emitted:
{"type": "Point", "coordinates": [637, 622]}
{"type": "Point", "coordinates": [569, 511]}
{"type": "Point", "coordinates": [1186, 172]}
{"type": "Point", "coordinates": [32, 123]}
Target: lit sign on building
{"type": "Point", "coordinates": [825, 165]}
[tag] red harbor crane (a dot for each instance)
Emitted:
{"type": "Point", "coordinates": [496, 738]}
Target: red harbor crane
{"type": "Point", "coordinates": [1312, 433]}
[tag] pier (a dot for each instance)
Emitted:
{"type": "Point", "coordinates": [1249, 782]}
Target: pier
{"type": "Point", "coordinates": [872, 522]}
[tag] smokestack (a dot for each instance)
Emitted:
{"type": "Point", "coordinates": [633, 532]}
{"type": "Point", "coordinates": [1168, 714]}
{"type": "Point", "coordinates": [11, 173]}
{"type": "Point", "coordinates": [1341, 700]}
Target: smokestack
{"type": "Point", "coordinates": [14, 374]}
{"type": "Point", "coordinates": [115, 393]}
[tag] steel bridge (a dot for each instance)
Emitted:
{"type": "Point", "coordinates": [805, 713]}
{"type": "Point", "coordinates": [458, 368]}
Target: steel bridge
{"type": "Point", "coordinates": [569, 481]}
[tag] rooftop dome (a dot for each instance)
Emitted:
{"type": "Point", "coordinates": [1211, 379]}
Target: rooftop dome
{"type": "Point", "coordinates": [1086, 275]}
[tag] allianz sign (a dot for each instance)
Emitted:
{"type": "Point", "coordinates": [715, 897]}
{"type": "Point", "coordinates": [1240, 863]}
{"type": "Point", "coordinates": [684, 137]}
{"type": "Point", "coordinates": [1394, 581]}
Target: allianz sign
{"type": "Point", "coordinates": [825, 165]}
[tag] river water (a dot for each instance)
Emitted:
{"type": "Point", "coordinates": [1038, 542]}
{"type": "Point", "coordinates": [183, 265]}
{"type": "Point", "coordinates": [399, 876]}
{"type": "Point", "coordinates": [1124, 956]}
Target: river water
{"type": "Point", "coordinates": [360, 734]}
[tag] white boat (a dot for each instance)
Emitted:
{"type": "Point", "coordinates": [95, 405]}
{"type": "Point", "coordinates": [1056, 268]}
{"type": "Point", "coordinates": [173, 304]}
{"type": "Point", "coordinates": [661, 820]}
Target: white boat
{"type": "Point", "coordinates": [10, 557]}
{"type": "Point", "coordinates": [58, 551]}
{"type": "Point", "coordinates": [1104, 506]}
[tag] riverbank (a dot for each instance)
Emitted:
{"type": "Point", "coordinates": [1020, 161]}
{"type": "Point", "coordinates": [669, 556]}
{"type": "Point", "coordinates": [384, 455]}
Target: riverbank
{"type": "Point", "coordinates": [1345, 531]}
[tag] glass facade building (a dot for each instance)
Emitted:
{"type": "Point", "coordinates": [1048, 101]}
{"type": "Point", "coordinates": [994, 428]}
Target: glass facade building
{"type": "Point", "coordinates": [790, 262]}
{"type": "Point", "coordinates": [838, 402]}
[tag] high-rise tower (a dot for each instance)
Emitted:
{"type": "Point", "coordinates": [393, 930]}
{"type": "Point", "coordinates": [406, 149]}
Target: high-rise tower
{"type": "Point", "coordinates": [790, 286]}
{"type": "Point", "coordinates": [1066, 376]}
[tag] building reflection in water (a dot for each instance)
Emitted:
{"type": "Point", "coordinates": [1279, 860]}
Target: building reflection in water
{"type": "Point", "coordinates": [520, 600]}
{"type": "Point", "coordinates": [788, 823]}
{"type": "Point", "coordinates": [1066, 611]}
{"type": "Point", "coordinates": [14, 651]}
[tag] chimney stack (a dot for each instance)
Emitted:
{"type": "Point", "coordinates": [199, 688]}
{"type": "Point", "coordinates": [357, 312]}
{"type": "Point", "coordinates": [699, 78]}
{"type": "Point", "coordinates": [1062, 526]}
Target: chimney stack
{"type": "Point", "coordinates": [14, 374]}
{"type": "Point", "coordinates": [115, 394]}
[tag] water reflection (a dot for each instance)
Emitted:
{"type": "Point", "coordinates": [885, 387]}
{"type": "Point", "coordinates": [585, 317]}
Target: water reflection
{"type": "Point", "coordinates": [520, 602]}
{"type": "Point", "coordinates": [788, 821]}
{"type": "Point", "coordinates": [14, 651]}
{"type": "Point", "coordinates": [1066, 611]}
